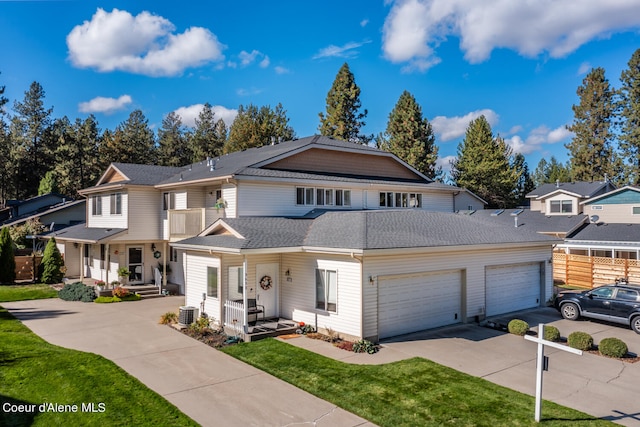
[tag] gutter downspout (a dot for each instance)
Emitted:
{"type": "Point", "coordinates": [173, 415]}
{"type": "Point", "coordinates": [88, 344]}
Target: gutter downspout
{"type": "Point", "coordinates": [245, 315]}
{"type": "Point", "coordinates": [107, 264]}
{"type": "Point", "coordinates": [362, 281]}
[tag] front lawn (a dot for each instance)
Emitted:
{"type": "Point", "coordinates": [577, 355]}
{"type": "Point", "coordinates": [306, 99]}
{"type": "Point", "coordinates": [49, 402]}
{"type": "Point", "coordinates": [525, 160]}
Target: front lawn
{"type": "Point", "coordinates": [407, 393]}
{"type": "Point", "coordinates": [34, 372]}
{"type": "Point", "coordinates": [10, 293]}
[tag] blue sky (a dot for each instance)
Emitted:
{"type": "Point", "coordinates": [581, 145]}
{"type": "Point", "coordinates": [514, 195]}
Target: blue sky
{"type": "Point", "coordinates": [517, 62]}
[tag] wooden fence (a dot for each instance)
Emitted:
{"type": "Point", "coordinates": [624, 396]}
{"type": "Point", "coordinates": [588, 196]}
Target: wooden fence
{"type": "Point", "coordinates": [591, 271]}
{"type": "Point", "coordinates": [27, 267]}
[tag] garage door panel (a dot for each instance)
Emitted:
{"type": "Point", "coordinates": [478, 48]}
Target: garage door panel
{"type": "Point", "coordinates": [419, 301]}
{"type": "Point", "coordinates": [512, 288]}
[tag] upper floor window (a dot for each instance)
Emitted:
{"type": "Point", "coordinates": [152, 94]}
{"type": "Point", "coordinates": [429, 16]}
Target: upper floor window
{"type": "Point", "coordinates": [168, 201]}
{"type": "Point", "coordinates": [96, 205]}
{"type": "Point", "coordinates": [561, 206]}
{"type": "Point", "coordinates": [636, 210]}
{"type": "Point", "coordinates": [322, 196]}
{"type": "Point", "coordinates": [390, 199]}
{"type": "Point", "coordinates": [116, 204]}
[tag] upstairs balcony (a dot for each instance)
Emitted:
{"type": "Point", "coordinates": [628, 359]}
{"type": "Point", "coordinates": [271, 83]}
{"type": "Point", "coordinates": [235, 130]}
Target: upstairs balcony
{"type": "Point", "coordinates": [185, 223]}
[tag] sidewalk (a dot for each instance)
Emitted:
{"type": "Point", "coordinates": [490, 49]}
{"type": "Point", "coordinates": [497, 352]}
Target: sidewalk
{"type": "Point", "coordinates": [207, 385]}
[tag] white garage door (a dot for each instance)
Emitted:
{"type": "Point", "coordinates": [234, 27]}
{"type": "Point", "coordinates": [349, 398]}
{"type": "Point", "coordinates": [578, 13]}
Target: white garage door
{"type": "Point", "coordinates": [414, 302]}
{"type": "Point", "coordinates": [512, 287]}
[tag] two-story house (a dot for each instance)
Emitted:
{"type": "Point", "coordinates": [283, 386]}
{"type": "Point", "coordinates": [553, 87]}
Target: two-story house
{"type": "Point", "coordinates": [332, 233]}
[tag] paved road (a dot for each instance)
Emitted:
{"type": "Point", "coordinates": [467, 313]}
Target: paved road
{"type": "Point", "coordinates": [207, 385]}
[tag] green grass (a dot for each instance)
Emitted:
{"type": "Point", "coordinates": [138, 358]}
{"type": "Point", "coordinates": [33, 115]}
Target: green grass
{"type": "Point", "coordinates": [33, 371]}
{"type": "Point", "coordinates": [26, 292]}
{"type": "Point", "coordinates": [407, 393]}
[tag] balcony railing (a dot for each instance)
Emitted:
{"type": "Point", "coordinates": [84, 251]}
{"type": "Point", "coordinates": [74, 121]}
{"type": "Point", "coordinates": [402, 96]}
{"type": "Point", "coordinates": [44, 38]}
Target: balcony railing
{"type": "Point", "coordinates": [185, 223]}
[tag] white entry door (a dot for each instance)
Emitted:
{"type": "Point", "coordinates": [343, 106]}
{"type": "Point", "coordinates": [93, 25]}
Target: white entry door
{"type": "Point", "coordinates": [135, 264]}
{"type": "Point", "coordinates": [267, 288]}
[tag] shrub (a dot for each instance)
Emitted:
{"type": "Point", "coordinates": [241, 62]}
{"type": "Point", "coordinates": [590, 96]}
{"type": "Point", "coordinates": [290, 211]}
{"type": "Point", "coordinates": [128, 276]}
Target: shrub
{"type": "Point", "coordinates": [7, 257]}
{"type": "Point", "coordinates": [120, 292]}
{"type": "Point", "coordinates": [52, 263]}
{"type": "Point", "coordinates": [364, 346]}
{"type": "Point", "coordinates": [551, 333]}
{"type": "Point", "coordinates": [130, 297]}
{"type": "Point", "coordinates": [168, 318]}
{"type": "Point", "coordinates": [103, 300]}
{"type": "Point", "coordinates": [77, 292]}
{"type": "Point", "coordinates": [613, 347]}
{"type": "Point", "coordinates": [580, 340]}
{"type": "Point", "coordinates": [307, 329]}
{"type": "Point", "coordinates": [200, 325]}
{"type": "Point", "coordinates": [518, 327]}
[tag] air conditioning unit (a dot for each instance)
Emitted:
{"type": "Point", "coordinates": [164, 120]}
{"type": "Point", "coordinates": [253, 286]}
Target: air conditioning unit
{"type": "Point", "coordinates": [187, 315]}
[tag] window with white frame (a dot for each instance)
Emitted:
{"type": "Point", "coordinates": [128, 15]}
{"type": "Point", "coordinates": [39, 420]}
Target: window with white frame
{"type": "Point", "coordinates": [561, 206]}
{"type": "Point", "coordinates": [168, 201]}
{"type": "Point", "coordinates": [636, 210]}
{"type": "Point", "coordinates": [116, 204]}
{"type": "Point", "coordinates": [326, 290]}
{"type": "Point", "coordinates": [389, 199]}
{"type": "Point", "coordinates": [236, 279]}
{"type": "Point", "coordinates": [96, 205]}
{"type": "Point", "coordinates": [323, 196]}
{"type": "Point", "coordinates": [212, 282]}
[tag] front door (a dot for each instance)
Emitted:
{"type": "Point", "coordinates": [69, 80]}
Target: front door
{"type": "Point", "coordinates": [267, 288]}
{"type": "Point", "coordinates": [135, 264]}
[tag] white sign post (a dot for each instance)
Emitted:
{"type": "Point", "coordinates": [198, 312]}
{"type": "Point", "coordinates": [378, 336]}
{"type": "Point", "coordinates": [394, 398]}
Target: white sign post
{"type": "Point", "coordinates": [541, 363]}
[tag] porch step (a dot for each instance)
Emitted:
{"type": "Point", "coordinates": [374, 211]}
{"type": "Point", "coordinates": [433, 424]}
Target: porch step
{"type": "Point", "coordinates": [144, 291]}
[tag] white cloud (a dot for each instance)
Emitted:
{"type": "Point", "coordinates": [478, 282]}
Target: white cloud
{"type": "Point", "coordinates": [346, 51]}
{"type": "Point", "coordinates": [364, 22]}
{"type": "Point", "coordinates": [190, 114]}
{"type": "Point", "coordinates": [538, 138]}
{"type": "Point", "coordinates": [584, 68]}
{"type": "Point", "coordinates": [142, 44]}
{"type": "Point", "coordinates": [248, 58]}
{"type": "Point", "coordinates": [414, 28]}
{"type": "Point", "coordinates": [281, 70]}
{"type": "Point", "coordinates": [104, 105]}
{"type": "Point", "coordinates": [248, 91]}
{"type": "Point", "coordinates": [445, 163]}
{"type": "Point", "coordinates": [449, 128]}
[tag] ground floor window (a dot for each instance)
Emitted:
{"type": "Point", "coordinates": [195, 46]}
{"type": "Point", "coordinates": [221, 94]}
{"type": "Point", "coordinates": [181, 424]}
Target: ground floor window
{"type": "Point", "coordinates": [326, 289]}
{"type": "Point", "coordinates": [236, 279]}
{"type": "Point", "coordinates": [212, 282]}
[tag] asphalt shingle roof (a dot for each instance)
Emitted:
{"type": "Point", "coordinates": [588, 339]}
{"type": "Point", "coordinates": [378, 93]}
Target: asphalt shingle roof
{"type": "Point", "coordinates": [584, 189]}
{"type": "Point", "coordinates": [604, 232]}
{"type": "Point", "coordinates": [533, 220]}
{"type": "Point", "coordinates": [375, 229]}
{"type": "Point", "coordinates": [146, 174]}
{"type": "Point", "coordinates": [82, 233]}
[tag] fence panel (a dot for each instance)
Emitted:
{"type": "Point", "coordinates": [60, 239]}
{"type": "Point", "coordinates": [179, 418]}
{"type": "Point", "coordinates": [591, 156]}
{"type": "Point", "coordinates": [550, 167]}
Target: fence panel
{"type": "Point", "coordinates": [588, 272]}
{"type": "Point", "coordinates": [27, 267]}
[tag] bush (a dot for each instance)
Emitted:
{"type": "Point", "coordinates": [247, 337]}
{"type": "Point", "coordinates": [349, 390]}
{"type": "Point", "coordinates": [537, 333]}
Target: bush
{"type": "Point", "coordinates": [580, 340]}
{"type": "Point", "coordinates": [104, 300]}
{"type": "Point", "coordinates": [200, 325]}
{"type": "Point", "coordinates": [77, 292]}
{"type": "Point", "coordinates": [52, 263]}
{"type": "Point", "coordinates": [551, 333]}
{"type": "Point", "coordinates": [168, 318]}
{"type": "Point", "coordinates": [120, 292]}
{"type": "Point", "coordinates": [364, 346]}
{"type": "Point", "coordinates": [130, 297]}
{"type": "Point", "coordinates": [613, 347]}
{"type": "Point", "coordinates": [518, 327]}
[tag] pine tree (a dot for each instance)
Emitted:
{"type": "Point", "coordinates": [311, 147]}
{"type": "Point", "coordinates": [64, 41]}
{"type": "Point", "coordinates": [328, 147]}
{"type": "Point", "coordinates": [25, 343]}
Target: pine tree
{"type": "Point", "coordinates": [7, 258]}
{"type": "Point", "coordinates": [205, 140]}
{"type": "Point", "coordinates": [630, 119]}
{"type": "Point", "coordinates": [342, 118]}
{"type": "Point", "coordinates": [5, 151]}
{"type": "Point", "coordinates": [48, 184]}
{"type": "Point", "coordinates": [255, 127]}
{"type": "Point", "coordinates": [173, 149]}
{"type": "Point", "coordinates": [484, 167]}
{"type": "Point", "coordinates": [525, 182]}
{"type": "Point", "coordinates": [52, 263]}
{"type": "Point", "coordinates": [132, 142]}
{"type": "Point", "coordinates": [32, 145]}
{"type": "Point", "coordinates": [551, 172]}
{"type": "Point", "coordinates": [410, 137]}
{"type": "Point", "coordinates": [591, 152]}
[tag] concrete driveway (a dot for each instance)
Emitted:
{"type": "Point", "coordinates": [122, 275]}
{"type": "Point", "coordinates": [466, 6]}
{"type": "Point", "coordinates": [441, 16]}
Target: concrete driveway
{"type": "Point", "coordinates": [593, 384]}
{"type": "Point", "coordinates": [207, 385]}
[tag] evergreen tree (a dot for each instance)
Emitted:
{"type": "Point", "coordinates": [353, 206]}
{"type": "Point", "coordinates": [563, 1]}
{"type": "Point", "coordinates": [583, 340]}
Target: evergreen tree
{"type": "Point", "coordinates": [484, 167]}
{"type": "Point", "coordinates": [48, 184]}
{"type": "Point", "coordinates": [32, 144]}
{"type": "Point", "coordinates": [525, 182]}
{"type": "Point", "coordinates": [551, 172]}
{"type": "Point", "coordinates": [255, 127]}
{"type": "Point", "coordinates": [5, 151]}
{"type": "Point", "coordinates": [342, 118]}
{"type": "Point", "coordinates": [591, 152]}
{"type": "Point", "coordinates": [172, 142]}
{"type": "Point", "coordinates": [52, 263]}
{"type": "Point", "coordinates": [630, 119]}
{"type": "Point", "coordinates": [410, 137]}
{"type": "Point", "coordinates": [205, 140]}
{"type": "Point", "coordinates": [132, 142]}
{"type": "Point", "coordinates": [7, 258]}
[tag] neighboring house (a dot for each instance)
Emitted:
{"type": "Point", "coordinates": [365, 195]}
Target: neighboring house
{"type": "Point", "coordinates": [336, 234]}
{"type": "Point", "coordinates": [16, 209]}
{"type": "Point", "coordinates": [565, 198]}
{"type": "Point", "coordinates": [54, 217]}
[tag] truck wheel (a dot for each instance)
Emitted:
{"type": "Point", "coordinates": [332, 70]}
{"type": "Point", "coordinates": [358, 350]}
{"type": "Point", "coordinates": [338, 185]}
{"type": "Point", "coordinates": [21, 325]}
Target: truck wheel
{"type": "Point", "coordinates": [570, 311]}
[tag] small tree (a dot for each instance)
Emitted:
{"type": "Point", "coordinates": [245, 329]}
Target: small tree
{"type": "Point", "coordinates": [52, 263]}
{"type": "Point", "coordinates": [7, 258]}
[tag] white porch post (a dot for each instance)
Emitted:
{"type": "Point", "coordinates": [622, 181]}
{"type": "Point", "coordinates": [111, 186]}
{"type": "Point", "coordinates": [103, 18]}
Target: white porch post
{"type": "Point", "coordinates": [107, 264]}
{"type": "Point", "coordinates": [245, 316]}
{"type": "Point", "coordinates": [82, 261]}
{"type": "Point", "coordinates": [164, 266]}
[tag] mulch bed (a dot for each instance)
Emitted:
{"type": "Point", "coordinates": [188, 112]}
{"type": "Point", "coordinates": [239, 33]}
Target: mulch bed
{"type": "Point", "coordinates": [210, 337]}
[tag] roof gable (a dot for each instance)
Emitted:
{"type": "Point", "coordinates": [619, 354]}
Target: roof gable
{"type": "Point", "coordinates": [580, 189]}
{"type": "Point", "coordinates": [621, 196]}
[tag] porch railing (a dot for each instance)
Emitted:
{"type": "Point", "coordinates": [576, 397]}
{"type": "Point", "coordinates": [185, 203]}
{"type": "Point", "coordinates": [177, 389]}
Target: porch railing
{"type": "Point", "coordinates": [184, 223]}
{"type": "Point", "coordinates": [233, 311]}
